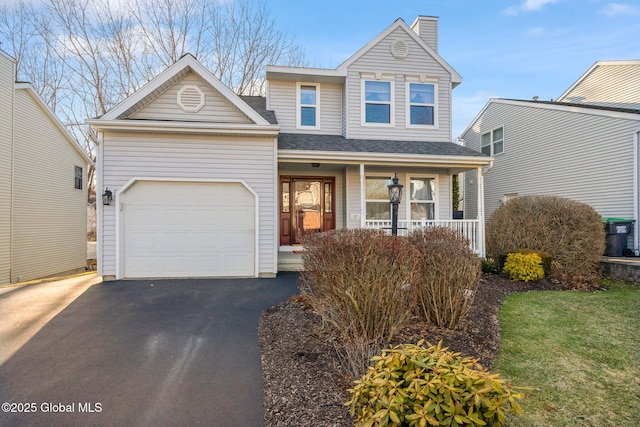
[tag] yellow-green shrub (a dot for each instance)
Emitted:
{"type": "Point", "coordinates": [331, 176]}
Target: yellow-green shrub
{"type": "Point", "coordinates": [417, 386]}
{"type": "Point", "coordinates": [547, 260]}
{"type": "Point", "coordinates": [520, 266]}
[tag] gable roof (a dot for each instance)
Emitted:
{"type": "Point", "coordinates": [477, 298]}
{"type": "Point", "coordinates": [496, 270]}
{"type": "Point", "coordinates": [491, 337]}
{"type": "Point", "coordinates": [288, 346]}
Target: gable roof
{"type": "Point", "coordinates": [600, 110]}
{"type": "Point", "coordinates": [607, 83]}
{"type": "Point", "coordinates": [54, 119]}
{"type": "Point", "coordinates": [185, 64]}
{"type": "Point", "coordinates": [400, 24]}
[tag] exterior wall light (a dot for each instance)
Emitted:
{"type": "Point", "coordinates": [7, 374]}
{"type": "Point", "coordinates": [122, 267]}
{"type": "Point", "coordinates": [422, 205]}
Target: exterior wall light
{"type": "Point", "coordinates": [107, 196]}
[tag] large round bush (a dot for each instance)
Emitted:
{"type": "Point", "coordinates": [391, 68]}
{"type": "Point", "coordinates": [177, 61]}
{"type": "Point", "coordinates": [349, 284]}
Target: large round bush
{"type": "Point", "coordinates": [570, 231]}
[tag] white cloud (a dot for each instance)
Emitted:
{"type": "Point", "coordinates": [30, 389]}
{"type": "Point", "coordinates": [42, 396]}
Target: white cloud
{"type": "Point", "coordinates": [528, 6]}
{"type": "Point", "coordinates": [614, 9]}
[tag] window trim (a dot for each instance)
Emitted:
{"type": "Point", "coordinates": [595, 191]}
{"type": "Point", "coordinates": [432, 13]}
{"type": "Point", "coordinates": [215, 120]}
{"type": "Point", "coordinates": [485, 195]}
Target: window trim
{"type": "Point", "coordinates": [492, 142]}
{"type": "Point", "coordinates": [391, 103]}
{"type": "Point", "coordinates": [299, 106]}
{"type": "Point", "coordinates": [436, 196]}
{"type": "Point", "coordinates": [75, 177]}
{"type": "Point", "coordinates": [408, 105]}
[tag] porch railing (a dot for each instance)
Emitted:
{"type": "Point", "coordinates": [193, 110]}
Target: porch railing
{"type": "Point", "coordinates": [469, 228]}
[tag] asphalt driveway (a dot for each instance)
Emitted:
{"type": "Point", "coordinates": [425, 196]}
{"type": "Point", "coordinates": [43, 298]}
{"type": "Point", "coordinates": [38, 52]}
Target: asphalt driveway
{"type": "Point", "coordinates": [146, 353]}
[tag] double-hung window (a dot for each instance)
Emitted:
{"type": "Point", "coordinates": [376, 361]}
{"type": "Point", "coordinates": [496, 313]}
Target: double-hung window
{"type": "Point", "coordinates": [422, 198]}
{"type": "Point", "coordinates": [421, 110]}
{"type": "Point", "coordinates": [492, 143]}
{"type": "Point", "coordinates": [377, 100]}
{"type": "Point", "coordinates": [78, 178]}
{"type": "Point", "coordinates": [377, 197]}
{"type": "Point", "coordinates": [308, 116]}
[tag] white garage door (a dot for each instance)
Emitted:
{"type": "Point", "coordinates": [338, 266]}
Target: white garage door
{"type": "Point", "coordinates": [186, 229]}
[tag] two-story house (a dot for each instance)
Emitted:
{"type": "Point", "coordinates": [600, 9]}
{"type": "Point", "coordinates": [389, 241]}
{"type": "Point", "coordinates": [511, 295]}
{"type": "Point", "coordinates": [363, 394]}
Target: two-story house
{"type": "Point", "coordinates": [583, 145]}
{"type": "Point", "coordinates": [208, 183]}
{"type": "Point", "coordinates": [43, 187]}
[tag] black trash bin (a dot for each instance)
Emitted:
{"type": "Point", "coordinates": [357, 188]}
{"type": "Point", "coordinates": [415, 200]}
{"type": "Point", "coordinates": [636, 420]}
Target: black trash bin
{"type": "Point", "coordinates": [618, 230]}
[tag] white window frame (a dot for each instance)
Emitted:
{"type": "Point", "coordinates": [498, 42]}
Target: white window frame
{"type": "Point", "coordinates": [375, 175]}
{"type": "Point", "coordinates": [492, 142]}
{"type": "Point", "coordinates": [407, 195]}
{"type": "Point", "coordinates": [408, 84]}
{"type": "Point", "coordinates": [363, 102]}
{"type": "Point", "coordinates": [299, 106]}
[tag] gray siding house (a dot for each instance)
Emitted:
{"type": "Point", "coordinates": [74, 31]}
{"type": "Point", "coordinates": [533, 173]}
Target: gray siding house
{"type": "Point", "coordinates": [211, 184]}
{"type": "Point", "coordinates": [43, 187]}
{"type": "Point", "coordinates": [583, 146]}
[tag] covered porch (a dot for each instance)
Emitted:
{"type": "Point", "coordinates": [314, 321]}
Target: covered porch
{"type": "Point", "coordinates": [358, 178]}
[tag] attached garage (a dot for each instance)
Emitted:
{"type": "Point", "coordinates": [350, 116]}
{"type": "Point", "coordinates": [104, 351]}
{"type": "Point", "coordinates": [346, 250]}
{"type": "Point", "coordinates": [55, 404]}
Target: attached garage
{"type": "Point", "coordinates": [187, 229]}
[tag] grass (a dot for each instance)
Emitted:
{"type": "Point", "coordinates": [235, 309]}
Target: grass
{"type": "Point", "coordinates": [579, 352]}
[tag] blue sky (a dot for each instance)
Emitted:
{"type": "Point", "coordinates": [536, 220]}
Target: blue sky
{"type": "Point", "coordinates": [503, 48]}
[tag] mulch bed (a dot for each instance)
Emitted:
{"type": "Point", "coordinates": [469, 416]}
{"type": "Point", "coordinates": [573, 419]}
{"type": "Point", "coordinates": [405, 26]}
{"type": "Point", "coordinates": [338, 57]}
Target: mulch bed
{"type": "Point", "coordinates": [300, 369]}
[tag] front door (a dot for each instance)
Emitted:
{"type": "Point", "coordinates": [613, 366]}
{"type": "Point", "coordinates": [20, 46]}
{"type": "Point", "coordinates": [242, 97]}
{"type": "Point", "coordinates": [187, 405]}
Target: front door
{"type": "Point", "coordinates": [306, 207]}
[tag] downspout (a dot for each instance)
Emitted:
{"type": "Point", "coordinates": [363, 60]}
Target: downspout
{"type": "Point", "coordinates": [99, 206]}
{"type": "Point", "coordinates": [13, 168]}
{"type": "Point", "coordinates": [636, 209]}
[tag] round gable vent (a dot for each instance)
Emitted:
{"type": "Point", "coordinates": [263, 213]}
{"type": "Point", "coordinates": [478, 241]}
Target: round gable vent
{"type": "Point", "coordinates": [399, 49]}
{"type": "Point", "coordinates": [190, 98]}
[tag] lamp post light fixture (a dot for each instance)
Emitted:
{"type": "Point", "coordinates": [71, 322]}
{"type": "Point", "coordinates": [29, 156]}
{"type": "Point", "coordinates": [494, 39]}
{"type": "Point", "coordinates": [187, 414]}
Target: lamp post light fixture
{"type": "Point", "coordinates": [395, 196]}
{"type": "Point", "coordinates": [107, 196]}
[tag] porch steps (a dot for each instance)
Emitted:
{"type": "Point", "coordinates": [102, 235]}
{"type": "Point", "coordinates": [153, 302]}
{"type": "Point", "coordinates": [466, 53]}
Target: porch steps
{"type": "Point", "coordinates": [289, 261]}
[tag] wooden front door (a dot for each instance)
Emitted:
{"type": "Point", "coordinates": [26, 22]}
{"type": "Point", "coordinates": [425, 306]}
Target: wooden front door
{"type": "Point", "coordinates": [306, 206]}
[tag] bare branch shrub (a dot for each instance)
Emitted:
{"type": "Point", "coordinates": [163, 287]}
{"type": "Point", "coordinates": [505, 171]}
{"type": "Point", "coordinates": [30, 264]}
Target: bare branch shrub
{"type": "Point", "coordinates": [448, 276]}
{"type": "Point", "coordinates": [570, 231]}
{"type": "Point", "coordinates": [358, 281]}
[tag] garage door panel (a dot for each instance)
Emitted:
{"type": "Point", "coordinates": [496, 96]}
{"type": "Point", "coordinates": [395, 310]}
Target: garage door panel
{"type": "Point", "coordinates": [175, 229]}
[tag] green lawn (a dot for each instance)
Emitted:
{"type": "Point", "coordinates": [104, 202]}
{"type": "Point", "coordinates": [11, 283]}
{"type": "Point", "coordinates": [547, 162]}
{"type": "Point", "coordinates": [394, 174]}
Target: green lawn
{"type": "Point", "coordinates": [579, 352]}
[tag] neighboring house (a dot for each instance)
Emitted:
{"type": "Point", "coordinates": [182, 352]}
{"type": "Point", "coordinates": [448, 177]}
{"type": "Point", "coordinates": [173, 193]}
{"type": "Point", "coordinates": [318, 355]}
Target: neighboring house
{"type": "Point", "coordinates": [208, 183]}
{"type": "Point", "coordinates": [583, 146]}
{"type": "Point", "coordinates": [43, 187]}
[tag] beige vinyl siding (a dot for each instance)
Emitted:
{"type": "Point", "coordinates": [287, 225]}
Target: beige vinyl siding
{"type": "Point", "coordinates": [216, 109]}
{"type": "Point", "coordinates": [49, 214]}
{"type": "Point", "coordinates": [418, 63]}
{"type": "Point", "coordinates": [609, 85]}
{"type": "Point", "coordinates": [6, 138]}
{"type": "Point", "coordinates": [136, 155]}
{"type": "Point", "coordinates": [443, 190]}
{"type": "Point", "coordinates": [283, 100]}
{"type": "Point", "coordinates": [585, 157]}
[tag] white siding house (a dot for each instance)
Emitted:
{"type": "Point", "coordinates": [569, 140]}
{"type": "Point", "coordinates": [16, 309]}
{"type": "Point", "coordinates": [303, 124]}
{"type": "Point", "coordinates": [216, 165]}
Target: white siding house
{"type": "Point", "coordinates": [43, 187]}
{"type": "Point", "coordinates": [209, 184]}
{"type": "Point", "coordinates": [583, 146]}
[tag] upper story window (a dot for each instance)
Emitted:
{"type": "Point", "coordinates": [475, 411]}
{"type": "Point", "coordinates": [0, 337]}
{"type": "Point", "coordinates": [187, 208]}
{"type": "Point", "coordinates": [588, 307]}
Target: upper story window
{"type": "Point", "coordinates": [492, 143]}
{"type": "Point", "coordinates": [377, 102]}
{"type": "Point", "coordinates": [308, 106]}
{"type": "Point", "coordinates": [78, 178]}
{"type": "Point", "coordinates": [421, 110]}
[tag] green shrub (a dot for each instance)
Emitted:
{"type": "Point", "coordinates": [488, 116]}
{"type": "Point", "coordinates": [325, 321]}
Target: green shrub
{"type": "Point", "coordinates": [488, 265]}
{"type": "Point", "coordinates": [416, 386]}
{"type": "Point", "coordinates": [524, 267]}
{"type": "Point", "coordinates": [448, 276]}
{"type": "Point", "coordinates": [358, 281]}
{"type": "Point", "coordinates": [571, 232]}
{"type": "Point", "coordinates": [546, 259]}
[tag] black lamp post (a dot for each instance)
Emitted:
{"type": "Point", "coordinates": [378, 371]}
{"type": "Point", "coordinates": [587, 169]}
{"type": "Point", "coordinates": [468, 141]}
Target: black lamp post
{"type": "Point", "coordinates": [395, 195]}
{"type": "Point", "coordinates": [107, 197]}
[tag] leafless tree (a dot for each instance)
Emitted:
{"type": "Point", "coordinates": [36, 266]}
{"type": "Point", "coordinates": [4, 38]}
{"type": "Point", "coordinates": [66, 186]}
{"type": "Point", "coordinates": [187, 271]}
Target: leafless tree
{"type": "Point", "coordinates": [84, 56]}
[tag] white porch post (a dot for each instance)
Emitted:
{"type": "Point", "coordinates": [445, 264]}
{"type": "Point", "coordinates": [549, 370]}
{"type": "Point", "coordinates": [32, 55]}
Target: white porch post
{"type": "Point", "coordinates": [362, 196]}
{"type": "Point", "coordinates": [481, 227]}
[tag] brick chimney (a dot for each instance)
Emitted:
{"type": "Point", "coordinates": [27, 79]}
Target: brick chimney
{"type": "Point", "coordinates": [427, 28]}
